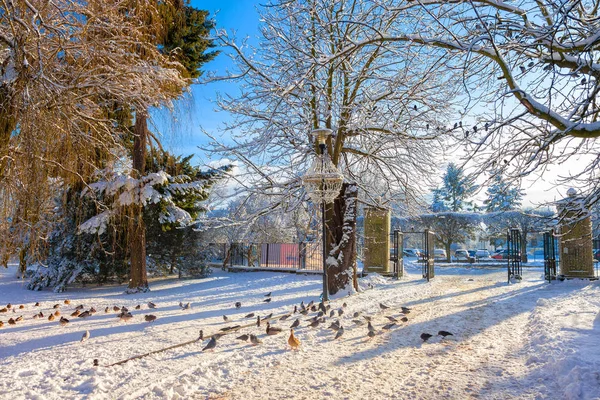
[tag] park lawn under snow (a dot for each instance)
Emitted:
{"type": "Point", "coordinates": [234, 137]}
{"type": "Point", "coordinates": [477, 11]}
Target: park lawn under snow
{"type": "Point", "coordinates": [530, 340]}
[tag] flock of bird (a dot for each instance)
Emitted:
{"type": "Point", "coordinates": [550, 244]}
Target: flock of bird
{"type": "Point", "coordinates": [319, 313]}
{"type": "Point", "coordinates": [123, 313]}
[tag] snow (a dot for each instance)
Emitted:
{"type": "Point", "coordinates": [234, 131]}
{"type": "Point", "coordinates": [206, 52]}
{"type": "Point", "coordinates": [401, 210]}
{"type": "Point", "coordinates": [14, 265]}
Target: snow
{"type": "Point", "coordinates": [524, 341]}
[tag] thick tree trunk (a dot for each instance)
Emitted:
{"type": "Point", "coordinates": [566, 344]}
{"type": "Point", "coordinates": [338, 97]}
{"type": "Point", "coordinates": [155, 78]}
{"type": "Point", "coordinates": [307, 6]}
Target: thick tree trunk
{"type": "Point", "coordinates": [341, 243]}
{"type": "Point", "coordinates": [138, 279]}
{"type": "Point", "coordinates": [8, 124]}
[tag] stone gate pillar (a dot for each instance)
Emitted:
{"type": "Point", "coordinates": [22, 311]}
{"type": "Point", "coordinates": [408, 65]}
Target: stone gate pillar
{"type": "Point", "coordinates": [575, 244]}
{"type": "Point", "coordinates": [377, 225]}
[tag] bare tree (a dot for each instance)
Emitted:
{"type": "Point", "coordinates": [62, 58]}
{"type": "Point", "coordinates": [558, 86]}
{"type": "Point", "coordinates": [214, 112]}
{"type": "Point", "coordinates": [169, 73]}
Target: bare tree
{"type": "Point", "coordinates": [530, 78]}
{"type": "Point", "coordinates": [383, 103]}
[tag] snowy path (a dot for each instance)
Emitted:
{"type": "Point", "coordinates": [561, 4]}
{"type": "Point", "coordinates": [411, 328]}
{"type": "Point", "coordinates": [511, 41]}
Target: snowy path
{"type": "Point", "coordinates": [527, 340]}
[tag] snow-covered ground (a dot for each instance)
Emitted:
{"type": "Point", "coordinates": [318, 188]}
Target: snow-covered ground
{"type": "Point", "coordinates": [530, 340]}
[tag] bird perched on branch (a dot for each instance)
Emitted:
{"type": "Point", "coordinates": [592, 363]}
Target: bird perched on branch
{"type": "Point", "coordinates": [272, 330]}
{"type": "Point", "coordinates": [425, 337]}
{"type": "Point", "coordinates": [212, 343]}
{"type": "Point", "coordinates": [151, 305]}
{"type": "Point", "coordinates": [150, 318]}
{"type": "Point", "coordinates": [86, 336]}
{"type": "Point", "coordinates": [255, 340]}
{"type": "Point", "coordinates": [444, 333]}
{"type": "Point", "coordinates": [293, 341]}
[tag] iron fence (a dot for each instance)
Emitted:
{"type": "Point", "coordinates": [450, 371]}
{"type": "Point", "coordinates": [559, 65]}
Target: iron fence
{"type": "Point", "coordinates": [306, 256]}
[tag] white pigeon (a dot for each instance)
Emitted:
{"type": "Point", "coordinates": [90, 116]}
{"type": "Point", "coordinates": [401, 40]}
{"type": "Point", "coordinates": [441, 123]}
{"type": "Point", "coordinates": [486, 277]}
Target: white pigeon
{"type": "Point", "coordinates": [85, 336]}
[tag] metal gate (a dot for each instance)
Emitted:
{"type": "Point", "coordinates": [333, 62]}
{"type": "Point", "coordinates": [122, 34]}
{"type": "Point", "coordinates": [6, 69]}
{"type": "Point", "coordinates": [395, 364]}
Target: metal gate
{"type": "Point", "coordinates": [428, 256]}
{"type": "Point", "coordinates": [549, 256]}
{"type": "Point", "coordinates": [397, 254]}
{"type": "Point", "coordinates": [513, 244]}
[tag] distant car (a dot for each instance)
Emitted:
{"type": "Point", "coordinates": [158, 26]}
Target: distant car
{"type": "Point", "coordinates": [482, 254]}
{"type": "Point", "coordinates": [412, 253]}
{"type": "Point", "coordinates": [503, 255]}
{"type": "Point", "coordinates": [472, 253]}
{"type": "Point", "coordinates": [461, 255]}
{"type": "Point", "coordinates": [439, 254]}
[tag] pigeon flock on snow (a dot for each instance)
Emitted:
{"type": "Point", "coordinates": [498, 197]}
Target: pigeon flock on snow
{"type": "Point", "coordinates": [299, 314]}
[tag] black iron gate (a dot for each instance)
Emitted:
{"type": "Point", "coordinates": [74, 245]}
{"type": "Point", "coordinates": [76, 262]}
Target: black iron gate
{"type": "Point", "coordinates": [549, 256]}
{"type": "Point", "coordinates": [513, 244]}
{"type": "Point", "coordinates": [428, 256]}
{"type": "Point", "coordinates": [397, 254]}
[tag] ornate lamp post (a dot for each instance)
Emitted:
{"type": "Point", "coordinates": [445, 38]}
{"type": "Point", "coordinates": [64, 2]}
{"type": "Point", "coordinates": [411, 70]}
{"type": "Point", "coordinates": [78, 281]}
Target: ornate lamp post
{"type": "Point", "coordinates": [323, 182]}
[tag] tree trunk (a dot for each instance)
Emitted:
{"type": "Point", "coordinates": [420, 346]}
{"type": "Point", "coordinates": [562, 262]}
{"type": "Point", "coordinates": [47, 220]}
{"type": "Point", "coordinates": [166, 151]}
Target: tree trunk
{"type": "Point", "coordinates": [341, 239]}
{"type": "Point", "coordinates": [138, 279]}
{"type": "Point", "coordinates": [448, 256]}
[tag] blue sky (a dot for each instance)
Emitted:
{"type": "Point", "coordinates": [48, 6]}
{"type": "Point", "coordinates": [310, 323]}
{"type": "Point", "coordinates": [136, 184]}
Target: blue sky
{"type": "Point", "coordinates": [242, 17]}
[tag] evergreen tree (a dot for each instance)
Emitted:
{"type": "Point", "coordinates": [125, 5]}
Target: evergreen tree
{"type": "Point", "coordinates": [502, 196]}
{"type": "Point", "coordinates": [455, 191]}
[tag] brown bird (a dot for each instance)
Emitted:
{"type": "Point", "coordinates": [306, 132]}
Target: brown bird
{"type": "Point", "coordinates": [63, 321]}
{"type": "Point", "coordinates": [1, 324]}
{"type": "Point", "coordinates": [19, 318]}
{"type": "Point", "coordinates": [21, 307]}
{"type": "Point", "coordinates": [36, 305]}
{"type": "Point", "coordinates": [115, 309]}
{"type": "Point", "coordinates": [57, 313]}
{"type": "Point", "coordinates": [138, 307]}
{"type": "Point", "coordinates": [67, 302]}
{"type": "Point", "coordinates": [92, 310]}
{"type": "Point", "coordinates": [85, 314]}
{"type": "Point", "coordinates": [124, 309]}
{"type": "Point", "coordinates": [51, 317]}
{"type": "Point", "coordinates": [75, 313]}
{"type": "Point", "coordinates": [79, 307]}
{"type": "Point", "coordinates": [4, 309]}
{"type": "Point", "coordinates": [125, 316]}
{"type": "Point", "coordinates": [293, 341]}
{"type": "Point", "coordinates": [56, 306]}
{"type": "Point", "coordinates": [151, 305]}
{"type": "Point", "coordinates": [12, 322]}
{"type": "Point", "coordinates": [271, 330]}
{"type": "Point", "coordinates": [36, 316]}
{"type": "Point", "coordinates": [150, 318]}
{"type": "Point", "coordinates": [404, 319]}
{"type": "Point", "coordinates": [8, 305]}
{"type": "Point", "coordinates": [41, 314]}
{"type": "Point", "coordinates": [106, 310]}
